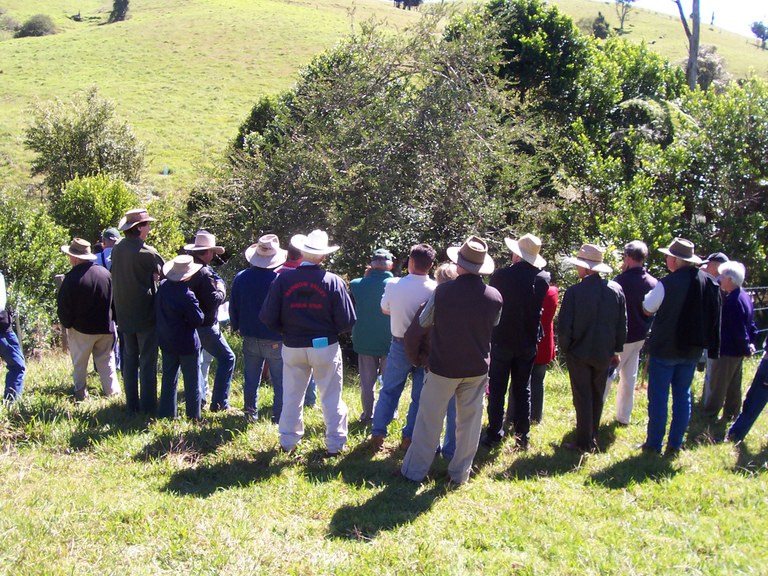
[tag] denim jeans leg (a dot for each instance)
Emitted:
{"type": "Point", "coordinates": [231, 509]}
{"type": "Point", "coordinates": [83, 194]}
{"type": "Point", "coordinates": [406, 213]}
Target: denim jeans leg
{"type": "Point", "coordinates": [168, 385]}
{"type": "Point", "coordinates": [681, 403]}
{"type": "Point", "coordinates": [398, 368]}
{"type": "Point", "coordinates": [253, 364]}
{"type": "Point", "coordinates": [754, 402]}
{"type": "Point", "coordinates": [272, 350]}
{"type": "Point", "coordinates": [10, 352]}
{"type": "Point", "coordinates": [213, 341]}
{"type": "Point", "coordinates": [190, 370]}
{"type": "Point", "coordinates": [148, 350]}
{"type": "Point", "coordinates": [131, 370]}
{"type": "Point", "coordinates": [448, 449]}
{"type": "Point", "coordinates": [206, 359]}
{"type": "Point", "coordinates": [659, 380]}
{"type": "Point", "coordinates": [417, 383]}
{"type": "Point", "coordinates": [310, 396]}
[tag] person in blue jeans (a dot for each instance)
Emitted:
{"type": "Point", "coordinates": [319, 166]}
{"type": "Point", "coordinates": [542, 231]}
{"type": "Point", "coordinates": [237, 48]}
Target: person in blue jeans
{"type": "Point", "coordinates": [10, 351]}
{"type": "Point", "coordinates": [686, 304]}
{"type": "Point", "coordinates": [260, 344]}
{"type": "Point", "coordinates": [178, 317]}
{"type": "Point", "coordinates": [754, 402]}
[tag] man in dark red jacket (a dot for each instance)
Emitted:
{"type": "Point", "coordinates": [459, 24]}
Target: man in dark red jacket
{"type": "Point", "coordinates": [84, 304]}
{"type": "Point", "coordinates": [462, 314]}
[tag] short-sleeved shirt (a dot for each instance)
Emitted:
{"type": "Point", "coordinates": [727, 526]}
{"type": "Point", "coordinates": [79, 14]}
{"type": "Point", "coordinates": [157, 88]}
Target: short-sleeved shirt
{"type": "Point", "coordinates": [402, 298]}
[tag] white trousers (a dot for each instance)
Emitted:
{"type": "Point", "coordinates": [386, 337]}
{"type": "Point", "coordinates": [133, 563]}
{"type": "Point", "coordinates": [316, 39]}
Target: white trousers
{"type": "Point", "coordinates": [81, 346]}
{"type": "Point", "coordinates": [435, 395]}
{"type": "Point", "coordinates": [627, 373]}
{"type": "Point", "coordinates": [325, 364]}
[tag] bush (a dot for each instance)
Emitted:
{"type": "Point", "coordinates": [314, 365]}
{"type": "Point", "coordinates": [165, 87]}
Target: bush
{"type": "Point", "coordinates": [88, 205]}
{"type": "Point", "coordinates": [38, 25]}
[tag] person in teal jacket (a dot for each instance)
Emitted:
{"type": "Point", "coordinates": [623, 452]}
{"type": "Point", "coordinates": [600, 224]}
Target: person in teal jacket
{"type": "Point", "coordinates": [371, 334]}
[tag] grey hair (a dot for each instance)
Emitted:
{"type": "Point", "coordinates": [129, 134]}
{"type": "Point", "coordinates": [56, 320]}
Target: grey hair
{"type": "Point", "coordinates": [636, 250]}
{"type": "Point", "coordinates": [312, 257]}
{"type": "Point", "coordinates": [445, 272]}
{"type": "Point", "coordinates": [733, 270]}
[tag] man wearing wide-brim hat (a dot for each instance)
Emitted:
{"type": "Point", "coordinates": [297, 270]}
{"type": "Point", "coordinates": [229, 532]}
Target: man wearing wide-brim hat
{"type": "Point", "coordinates": [462, 314]}
{"type": "Point", "coordinates": [523, 285]}
{"type": "Point", "coordinates": [310, 308]}
{"type": "Point", "coordinates": [178, 317]}
{"type": "Point", "coordinates": [686, 309]}
{"type": "Point", "coordinates": [211, 292]}
{"type": "Point", "coordinates": [84, 304]}
{"type": "Point", "coordinates": [136, 271]}
{"type": "Point", "coordinates": [260, 344]}
{"type": "Point", "coordinates": [592, 329]}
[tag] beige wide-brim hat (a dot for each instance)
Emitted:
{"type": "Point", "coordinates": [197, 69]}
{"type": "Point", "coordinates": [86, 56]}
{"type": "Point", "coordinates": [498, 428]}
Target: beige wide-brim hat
{"type": "Point", "coordinates": [316, 242]}
{"type": "Point", "coordinates": [266, 253]}
{"type": "Point", "coordinates": [682, 249]}
{"type": "Point", "coordinates": [133, 218]}
{"type": "Point", "coordinates": [528, 248]}
{"type": "Point", "coordinates": [590, 256]}
{"type": "Point", "coordinates": [79, 248]}
{"type": "Point", "coordinates": [204, 240]}
{"type": "Point", "coordinates": [472, 256]}
{"type": "Point", "coordinates": [181, 268]}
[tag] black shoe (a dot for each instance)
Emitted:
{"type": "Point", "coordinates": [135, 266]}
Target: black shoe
{"type": "Point", "coordinates": [671, 452]}
{"type": "Point", "coordinates": [521, 443]}
{"type": "Point", "coordinates": [573, 447]}
{"type": "Point", "coordinates": [648, 449]}
{"type": "Point", "coordinates": [489, 441]}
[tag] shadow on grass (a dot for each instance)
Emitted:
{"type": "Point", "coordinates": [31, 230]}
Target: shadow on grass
{"type": "Point", "coordinates": [202, 481]}
{"type": "Point", "coordinates": [642, 467]}
{"type": "Point", "coordinates": [750, 463]}
{"type": "Point", "coordinates": [399, 503]}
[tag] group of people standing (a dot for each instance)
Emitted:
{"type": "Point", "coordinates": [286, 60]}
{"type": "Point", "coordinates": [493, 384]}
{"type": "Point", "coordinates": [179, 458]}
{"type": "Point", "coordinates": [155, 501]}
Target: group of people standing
{"type": "Point", "coordinates": [457, 337]}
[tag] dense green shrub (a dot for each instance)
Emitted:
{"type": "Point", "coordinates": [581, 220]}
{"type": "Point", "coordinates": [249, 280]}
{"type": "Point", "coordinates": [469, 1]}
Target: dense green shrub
{"type": "Point", "coordinates": [88, 205]}
{"type": "Point", "coordinates": [38, 25]}
{"type": "Point", "coordinates": [82, 138]}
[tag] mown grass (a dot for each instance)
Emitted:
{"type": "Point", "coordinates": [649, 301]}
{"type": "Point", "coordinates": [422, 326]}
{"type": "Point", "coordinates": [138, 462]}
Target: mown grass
{"type": "Point", "coordinates": [88, 489]}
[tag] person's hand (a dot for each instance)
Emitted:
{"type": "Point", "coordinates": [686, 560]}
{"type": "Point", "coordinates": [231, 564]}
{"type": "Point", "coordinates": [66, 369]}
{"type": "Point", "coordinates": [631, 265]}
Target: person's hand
{"type": "Point", "coordinates": [752, 350]}
{"type": "Point", "coordinates": [615, 359]}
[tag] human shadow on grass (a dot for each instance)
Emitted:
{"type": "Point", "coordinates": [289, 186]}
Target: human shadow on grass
{"type": "Point", "coordinates": [97, 425]}
{"type": "Point", "coordinates": [751, 463]}
{"type": "Point", "coordinates": [642, 467]}
{"type": "Point", "coordinates": [527, 465]}
{"type": "Point", "coordinates": [203, 481]}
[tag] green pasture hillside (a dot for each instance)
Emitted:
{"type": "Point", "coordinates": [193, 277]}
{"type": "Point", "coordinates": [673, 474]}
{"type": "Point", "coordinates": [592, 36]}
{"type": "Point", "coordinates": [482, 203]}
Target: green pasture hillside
{"type": "Point", "coordinates": [184, 73]}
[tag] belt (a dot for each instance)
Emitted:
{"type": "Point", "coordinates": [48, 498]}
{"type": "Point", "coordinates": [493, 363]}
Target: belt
{"type": "Point", "coordinates": [398, 339]}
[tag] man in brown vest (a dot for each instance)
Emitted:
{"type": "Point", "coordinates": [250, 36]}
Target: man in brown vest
{"type": "Point", "coordinates": [462, 314]}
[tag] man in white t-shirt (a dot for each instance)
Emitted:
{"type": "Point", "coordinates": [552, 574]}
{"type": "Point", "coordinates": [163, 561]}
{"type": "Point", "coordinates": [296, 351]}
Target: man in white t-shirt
{"type": "Point", "coordinates": [402, 298]}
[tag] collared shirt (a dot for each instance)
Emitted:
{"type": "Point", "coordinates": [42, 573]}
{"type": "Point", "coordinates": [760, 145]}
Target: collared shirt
{"type": "Point", "coordinates": [402, 298]}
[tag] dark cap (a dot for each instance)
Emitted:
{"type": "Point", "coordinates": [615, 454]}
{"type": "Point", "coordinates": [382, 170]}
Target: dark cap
{"type": "Point", "coordinates": [382, 254]}
{"type": "Point", "coordinates": [716, 257]}
{"type": "Point", "coordinates": [111, 233]}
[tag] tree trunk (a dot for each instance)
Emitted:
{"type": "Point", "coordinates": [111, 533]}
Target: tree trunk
{"type": "Point", "coordinates": [692, 71]}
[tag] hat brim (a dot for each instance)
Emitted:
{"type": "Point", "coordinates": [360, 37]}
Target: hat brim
{"type": "Point", "coordinates": [485, 268]}
{"type": "Point", "coordinates": [123, 224]}
{"type": "Point", "coordinates": [589, 264]}
{"type": "Point", "coordinates": [67, 251]}
{"type": "Point", "coordinates": [171, 275]}
{"type": "Point", "coordinates": [268, 262]}
{"type": "Point", "coordinates": [195, 248]}
{"type": "Point", "coordinates": [299, 242]}
{"type": "Point", "coordinates": [533, 259]}
{"type": "Point", "coordinates": [692, 259]}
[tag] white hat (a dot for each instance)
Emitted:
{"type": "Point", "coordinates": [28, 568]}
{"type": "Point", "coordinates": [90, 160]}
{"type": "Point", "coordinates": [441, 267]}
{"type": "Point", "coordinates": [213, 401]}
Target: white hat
{"type": "Point", "coordinates": [528, 248]}
{"type": "Point", "coordinates": [266, 253]}
{"type": "Point", "coordinates": [181, 268]}
{"type": "Point", "coordinates": [204, 240]}
{"type": "Point", "coordinates": [316, 242]}
{"type": "Point", "coordinates": [472, 256]}
{"type": "Point", "coordinates": [590, 256]}
{"type": "Point", "coordinates": [79, 248]}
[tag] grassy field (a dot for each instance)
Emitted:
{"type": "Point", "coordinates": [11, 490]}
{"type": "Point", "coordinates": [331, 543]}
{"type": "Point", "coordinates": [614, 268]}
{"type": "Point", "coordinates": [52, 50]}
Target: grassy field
{"type": "Point", "coordinates": [185, 73]}
{"type": "Point", "coordinates": [88, 489]}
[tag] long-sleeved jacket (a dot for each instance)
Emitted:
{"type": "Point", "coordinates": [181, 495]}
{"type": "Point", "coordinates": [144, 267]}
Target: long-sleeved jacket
{"type": "Point", "coordinates": [592, 324]}
{"type": "Point", "coordinates": [178, 317]}
{"type": "Point", "coordinates": [209, 290]}
{"type": "Point", "coordinates": [737, 325]}
{"type": "Point", "coordinates": [134, 265]}
{"type": "Point", "coordinates": [308, 303]}
{"type": "Point", "coordinates": [84, 301]}
{"type": "Point", "coordinates": [249, 290]}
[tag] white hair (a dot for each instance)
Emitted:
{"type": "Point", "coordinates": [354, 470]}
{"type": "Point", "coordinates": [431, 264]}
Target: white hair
{"type": "Point", "coordinates": [312, 257]}
{"type": "Point", "coordinates": [733, 270]}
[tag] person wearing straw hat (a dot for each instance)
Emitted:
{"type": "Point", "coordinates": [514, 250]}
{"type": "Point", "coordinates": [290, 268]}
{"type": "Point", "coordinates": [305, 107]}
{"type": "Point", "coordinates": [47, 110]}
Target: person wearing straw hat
{"type": "Point", "coordinates": [136, 272]}
{"type": "Point", "coordinates": [371, 334]}
{"type": "Point", "coordinates": [636, 283]}
{"type": "Point", "coordinates": [310, 308]}
{"type": "Point", "coordinates": [178, 317]}
{"type": "Point", "coordinates": [462, 314]}
{"type": "Point", "coordinates": [592, 329]}
{"type": "Point", "coordinates": [260, 344]}
{"type": "Point", "coordinates": [211, 292]}
{"type": "Point", "coordinates": [84, 304]}
{"type": "Point", "coordinates": [685, 306]}
{"type": "Point", "coordinates": [513, 352]}
{"type": "Point", "coordinates": [10, 350]}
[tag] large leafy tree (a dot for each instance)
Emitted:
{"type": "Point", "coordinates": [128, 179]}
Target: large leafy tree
{"type": "Point", "coordinates": [760, 30]}
{"type": "Point", "coordinates": [82, 137]}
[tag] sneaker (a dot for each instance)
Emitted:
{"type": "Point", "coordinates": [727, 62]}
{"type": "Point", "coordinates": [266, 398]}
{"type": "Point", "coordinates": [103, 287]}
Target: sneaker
{"type": "Point", "coordinates": [250, 416]}
{"type": "Point", "coordinates": [81, 395]}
